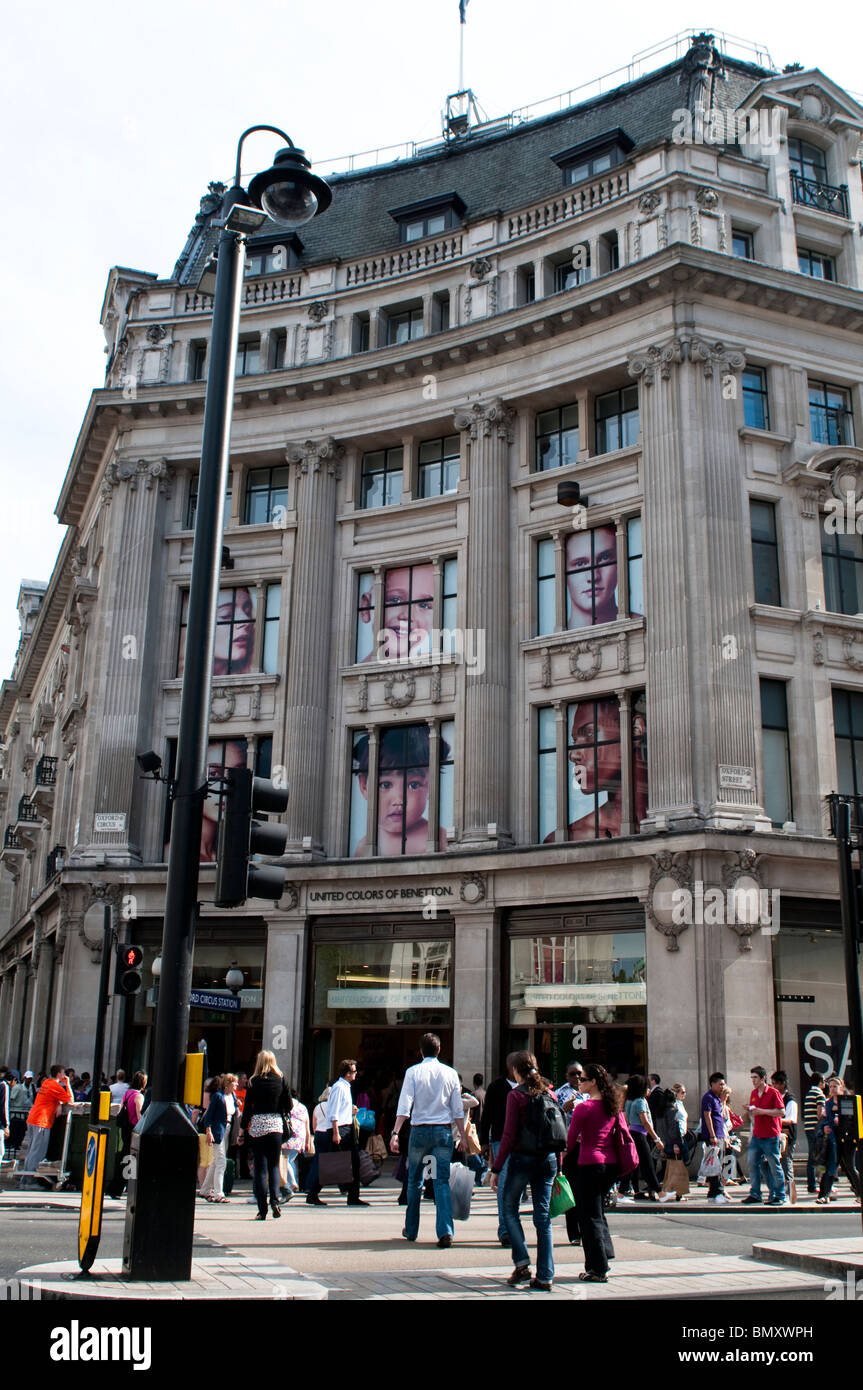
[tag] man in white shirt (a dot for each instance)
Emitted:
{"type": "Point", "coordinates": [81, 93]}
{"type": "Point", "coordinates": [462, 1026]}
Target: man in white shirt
{"type": "Point", "coordinates": [119, 1088]}
{"type": "Point", "coordinates": [431, 1099]}
{"type": "Point", "coordinates": [340, 1124]}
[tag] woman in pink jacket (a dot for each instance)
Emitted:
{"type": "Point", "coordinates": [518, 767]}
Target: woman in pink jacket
{"type": "Point", "coordinates": [592, 1129]}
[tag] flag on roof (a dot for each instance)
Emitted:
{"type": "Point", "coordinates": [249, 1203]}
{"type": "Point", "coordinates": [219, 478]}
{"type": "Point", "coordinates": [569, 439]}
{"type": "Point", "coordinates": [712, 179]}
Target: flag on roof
{"type": "Point", "coordinates": [462, 7]}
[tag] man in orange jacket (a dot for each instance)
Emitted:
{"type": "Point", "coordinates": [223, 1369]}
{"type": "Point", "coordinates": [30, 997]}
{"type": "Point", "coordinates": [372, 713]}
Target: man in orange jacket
{"type": "Point", "coordinates": [54, 1092]}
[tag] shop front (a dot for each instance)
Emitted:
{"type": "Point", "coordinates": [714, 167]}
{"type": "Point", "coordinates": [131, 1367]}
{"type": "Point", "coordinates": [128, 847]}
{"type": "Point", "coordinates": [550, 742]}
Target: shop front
{"type": "Point", "coordinates": [225, 1017]}
{"type": "Point", "coordinates": [374, 987]}
{"type": "Point", "coordinates": [575, 986]}
{"type": "Point", "coordinates": [812, 1032]}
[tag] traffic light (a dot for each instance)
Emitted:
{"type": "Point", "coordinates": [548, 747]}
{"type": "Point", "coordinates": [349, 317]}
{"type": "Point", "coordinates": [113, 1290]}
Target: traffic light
{"type": "Point", "coordinates": [241, 836]}
{"type": "Point", "coordinates": [127, 977]}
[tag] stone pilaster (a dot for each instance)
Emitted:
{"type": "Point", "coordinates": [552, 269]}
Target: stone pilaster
{"type": "Point", "coordinates": [43, 951]}
{"type": "Point", "coordinates": [130, 611]}
{"type": "Point", "coordinates": [14, 1051]}
{"type": "Point", "coordinates": [665, 585]}
{"type": "Point", "coordinates": [476, 985]}
{"type": "Point", "coordinates": [283, 997]}
{"type": "Point", "coordinates": [487, 733]}
{"type": "Point", "coordinates": [317, 465]}
{"type": "Point", "coordinates": [7, 985]}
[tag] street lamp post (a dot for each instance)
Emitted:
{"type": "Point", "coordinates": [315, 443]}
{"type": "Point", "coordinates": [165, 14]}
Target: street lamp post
{"type": "Point", "coordinates": [160, 1213]}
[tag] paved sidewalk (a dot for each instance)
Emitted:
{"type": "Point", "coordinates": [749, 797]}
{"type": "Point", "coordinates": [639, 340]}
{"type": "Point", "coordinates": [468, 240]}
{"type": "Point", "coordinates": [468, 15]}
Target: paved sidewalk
{"type": "Point", "coordinates": [831, 1259]}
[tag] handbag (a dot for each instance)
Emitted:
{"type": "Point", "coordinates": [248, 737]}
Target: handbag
{"type": "Point", "coordinates": [336, 1167]}
{"type": "Point", "coordinates": [561, 1197]}
{"type": "Point", "coordinates": [625, 1152]}
{"type": "Point", "coordinates": [711, 1163]}
{"type": "Point", "coordinates": [734, 1120]}
{"type": "Point", "coordinates": [369, 1170]}
{"type": "Point", "coordinates": [205, 1151]}
{"type": "Point", "coordinates": [472, 1144]}
{"type": "Point", "coordinates": [377, 1148]}
{"type": "Point", "coordinates": [365, 1118]}
{"type": "Point", "coordinates": [676, 1177]}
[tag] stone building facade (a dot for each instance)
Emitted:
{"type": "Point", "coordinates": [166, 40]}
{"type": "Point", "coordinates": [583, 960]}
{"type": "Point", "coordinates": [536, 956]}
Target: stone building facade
{"type": "Point", "coordinates": [535, 756]}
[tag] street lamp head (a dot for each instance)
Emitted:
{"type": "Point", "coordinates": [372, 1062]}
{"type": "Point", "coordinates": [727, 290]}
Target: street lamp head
{"type": "Point", "coordinates": [289, 192]}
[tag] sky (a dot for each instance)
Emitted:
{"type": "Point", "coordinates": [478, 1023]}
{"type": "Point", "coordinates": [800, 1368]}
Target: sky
{"type": "Point", "coordinates": [117, 116]}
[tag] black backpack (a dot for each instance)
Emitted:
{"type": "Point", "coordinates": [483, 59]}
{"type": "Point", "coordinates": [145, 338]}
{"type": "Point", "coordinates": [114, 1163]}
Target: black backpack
{"type": "Point", "coordinates": [543, 1127]}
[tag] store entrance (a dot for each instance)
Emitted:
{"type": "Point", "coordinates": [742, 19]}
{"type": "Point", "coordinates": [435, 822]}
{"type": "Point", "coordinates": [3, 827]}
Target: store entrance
{"type": "Point", "coordinates": [383, 1055]}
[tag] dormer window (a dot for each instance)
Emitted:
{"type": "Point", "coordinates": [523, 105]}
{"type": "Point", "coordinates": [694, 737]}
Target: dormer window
{"type": "Point", "coordinates": [429, 217]}
{"type": "Point", "coordinates": [593, 158]}
{"type": "Point", "coordinates": [273, 255]}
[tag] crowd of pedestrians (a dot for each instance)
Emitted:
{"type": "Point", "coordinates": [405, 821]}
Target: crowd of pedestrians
{"type": "Point", "coordinates": [578, 1147]}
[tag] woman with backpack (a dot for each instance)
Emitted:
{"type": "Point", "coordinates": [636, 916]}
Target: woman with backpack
{"type": "Point", "coordinates": [531, 1142]}
{"type": "Point", "coordinates": [130, 1114]}
{"type": "Point", "coordinates": [601, 1135]}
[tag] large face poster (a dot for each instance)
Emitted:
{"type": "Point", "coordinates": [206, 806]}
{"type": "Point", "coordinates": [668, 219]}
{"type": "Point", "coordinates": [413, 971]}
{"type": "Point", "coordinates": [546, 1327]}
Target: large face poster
{"type": "Point", "coordinates": [234, 647]}
{"type": "Point", "coordinates": [408, 615]}
{"type": "Point", "coordinates": [591, 577]}
{"type": "Point", "coordinates": [594, 752]}
{"type": "Point", "coordinates": [403, 792]}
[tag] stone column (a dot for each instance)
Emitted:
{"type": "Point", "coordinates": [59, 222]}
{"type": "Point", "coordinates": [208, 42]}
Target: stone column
{"type": "Point", "coordinates": [15, 1051]}
{"type": "Point", "coordinates": [43, 951]}
{"type": "Point", "coordinates": [486, 742]}
{"type": "Point", "coordinates": [317, 465]}
{"type": "Point", "coordinates": [7, 985]}
{"type": "Point", "coordinates": [131, 598]}
{"type": "Point", "coordinates": [283, 993]}
{"type": "Point", "coordinates": [476, 987]}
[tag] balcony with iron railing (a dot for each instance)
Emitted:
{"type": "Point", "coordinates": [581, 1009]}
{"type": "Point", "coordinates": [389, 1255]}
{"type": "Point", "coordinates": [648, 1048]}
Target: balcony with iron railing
{"type": "Point", "coordinates": [54, 862]}
{"type": "Point", "coordinates": [27, 812]}
{"type": "Point", "coordinates": [813, 193]}
{"type": "Point", "coordinates": [11, 839]}
{"type": "Point", "coordinates": [46, 772]}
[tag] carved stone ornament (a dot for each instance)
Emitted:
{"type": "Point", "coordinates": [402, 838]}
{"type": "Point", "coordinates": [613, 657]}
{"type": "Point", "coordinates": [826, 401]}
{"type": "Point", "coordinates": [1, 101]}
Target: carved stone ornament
{"type": "Point", "coordinates": [109, 894]}
{"type": "Point", "coordinates": [847, 477]}
{"type": "Point", "coordinates": [814, 107]}
{"type": "Point", "coordinates": [318, 311]}
{"type": "Point", "coordinates": [493, 417]}
{"type": "Point", "coordinates": [649, 202]}
{"type": "Point", "coordinates": [656, 359]}
{"type": "Point", "coordinates": [809, 500]}
{"type": "Point", "coordinates": [436, 680]}
{"type": "Point", "coordinates": [363, 698]}
{"type": "Point", "coordinates": [581, 669]}
{"type": "Point", "coordinates": [707, 197]}
{"type": "Point", "coordinates": [850, 641]}
{"type": "Point", "coordinates": [141, 470]}
{"type": "Point", "coordinates": [623, 653]}
{"type": "Point", "coordinates": [669, 873]}
{"type": "Point", "coordinates": [223, 704]}
{"type": "Point", "coordinates": [313, 454]}
{"type": "Point", "coordinates": [743, 872]}
{"type": "Point", "coordinates": [716, 355]}
{"type": "Point", "coordinates": [290, 897]}
{"type": "Point", "coordinates": [473, 888]}
{"type": "Point", "coordinates": [818, 647]}
{"type": "Point", "coordinates": [156, 333]}
{"type": "Point", "coordinates": [546, 667]}
{"type": "Point", "coordinates": [480, 268]}
{"type": "Point", "coordinates": [399, 701]}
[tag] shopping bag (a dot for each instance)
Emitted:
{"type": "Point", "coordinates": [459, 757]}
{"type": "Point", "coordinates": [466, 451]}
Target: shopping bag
{"type": "Point", "coordinates": [369, 1170]}
{"type": "Point", "coordinates": [377, 1148]}
{"type": "Point", "coordinates": [676, 1177]}
{"type": "Point", "coordinates": [205, 1151]}
{"type": "Point", "coordinates": [472, 1144]}
{"type": "Point", "coordinates": [461, 1190]}
{"type": "Point", "coordinates": [365, 1118]}
{"type": "Point", "coordinates": [561, 1197]}
{"type": "Point", "coordinates": [230, 1174]}
{"type": "Point", "coordinates": [711, 1163]}
{"type": "Point", "coordinates": [335, 1168]}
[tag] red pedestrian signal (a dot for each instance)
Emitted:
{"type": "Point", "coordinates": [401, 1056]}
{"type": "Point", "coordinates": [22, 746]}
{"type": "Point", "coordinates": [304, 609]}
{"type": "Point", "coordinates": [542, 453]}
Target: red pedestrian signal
{"type": "Point", "coordinates": [129, 977]}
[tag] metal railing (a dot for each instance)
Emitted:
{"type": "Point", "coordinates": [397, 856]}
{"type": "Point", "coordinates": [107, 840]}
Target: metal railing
{"type": "Point", "coordinates": [812, 193]}
{"type": "Point", "coordinates": [11, 839]}
{"type": "Point", "coordinates": [46, 772]}
{"type": "Point", "coordinates": [26, 811]}
{"type": "Point", "coordinates": [54, 862]}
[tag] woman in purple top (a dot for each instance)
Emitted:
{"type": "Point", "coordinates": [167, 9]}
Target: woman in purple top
{"type": "Point", "coordinates": [592, 1130]}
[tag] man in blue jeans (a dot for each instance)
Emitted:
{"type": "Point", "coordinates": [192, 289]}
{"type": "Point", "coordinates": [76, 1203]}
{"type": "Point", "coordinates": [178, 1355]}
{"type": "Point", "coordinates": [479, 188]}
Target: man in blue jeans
{"type": "Point", "coordinates": [767, 1110]}
{"type": "Point", "coordinates": [431, 1100]}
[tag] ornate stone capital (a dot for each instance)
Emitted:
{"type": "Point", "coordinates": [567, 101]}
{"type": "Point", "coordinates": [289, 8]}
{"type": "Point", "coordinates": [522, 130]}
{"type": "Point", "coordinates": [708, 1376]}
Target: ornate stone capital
{"type": "Point", "coordinates": [315, 454]}
{"type": "Point", "coordinates": [669, 872]}
{"type": "Point", "coordinates": [141, 470]}
{"type": "Point", "coordinates": [649, 361]}
{"type": "Point", "coordinates": [492, 417]}
{"type": "Point", "coordinates": [716, 356]}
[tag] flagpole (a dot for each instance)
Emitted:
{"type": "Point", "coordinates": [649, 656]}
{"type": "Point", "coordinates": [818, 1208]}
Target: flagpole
{"type": "Point", "coordinates": [461, 56]}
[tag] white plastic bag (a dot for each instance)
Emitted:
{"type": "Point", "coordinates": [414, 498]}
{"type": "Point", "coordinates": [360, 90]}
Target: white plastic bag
{"type": "Point", "coordinates": [461, 1189]}
{"type": "Point", "coordinates": [711, 1163]}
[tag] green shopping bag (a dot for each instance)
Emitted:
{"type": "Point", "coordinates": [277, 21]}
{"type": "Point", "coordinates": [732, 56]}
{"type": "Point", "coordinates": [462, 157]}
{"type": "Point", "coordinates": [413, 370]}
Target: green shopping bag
{"type": "Point", "coordinates": [561, 1197]}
